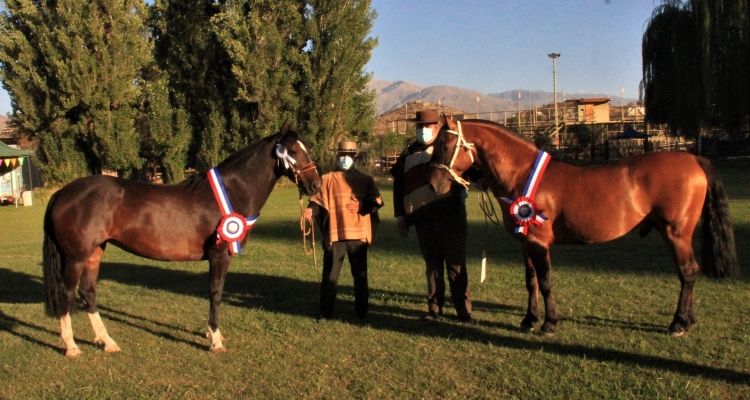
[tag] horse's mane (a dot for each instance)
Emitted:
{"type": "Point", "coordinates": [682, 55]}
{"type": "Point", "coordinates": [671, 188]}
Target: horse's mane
{"type": "Point", "coordinates": [253, 147]}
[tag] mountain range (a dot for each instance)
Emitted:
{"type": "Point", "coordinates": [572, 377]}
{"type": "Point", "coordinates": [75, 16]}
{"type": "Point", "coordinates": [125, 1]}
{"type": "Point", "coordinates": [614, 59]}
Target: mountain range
{"type": "Point", "coordinates": [393, 94]}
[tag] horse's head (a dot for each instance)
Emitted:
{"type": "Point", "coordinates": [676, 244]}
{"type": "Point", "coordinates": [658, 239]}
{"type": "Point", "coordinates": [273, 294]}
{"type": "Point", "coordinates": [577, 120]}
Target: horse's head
{"type": "Point", "coordinates": [451, 157]}
{"type": "Point", "coordinates": [295, 163]}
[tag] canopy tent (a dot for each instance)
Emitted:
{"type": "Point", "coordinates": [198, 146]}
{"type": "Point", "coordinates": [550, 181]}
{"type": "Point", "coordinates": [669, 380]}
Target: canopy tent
{"type": "Point", "coordinates": [11, 178]}
{"type": "Point", "coordinates": [630, 133]}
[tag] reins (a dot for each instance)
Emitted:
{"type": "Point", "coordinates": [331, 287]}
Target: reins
{"type": "Point", "coordinates": [307, 232]}
{"type": "Point", "coordinates": [289, 164]}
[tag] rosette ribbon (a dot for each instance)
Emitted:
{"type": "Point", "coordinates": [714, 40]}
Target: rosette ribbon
{"type": "Point", "coordinates": [233, 227]}
{"type": "Point", "coordinates": [284, 156]}
{"type": "Point", "coordinates": [524, 209]}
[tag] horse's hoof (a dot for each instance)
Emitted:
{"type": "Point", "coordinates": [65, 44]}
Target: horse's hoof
{"type": "Point", "coordinates": [677, 333]}
{"type": "Point", "coordinates": [113, 348]}
{"type": "Point", "coordinates": [73, 353]}
{"type": "Point", "coordinates": [547, 334]}
{"type": "Point", "coordinates": [218, 349]}
{"type": "Point", "coordinates": [526, 329]}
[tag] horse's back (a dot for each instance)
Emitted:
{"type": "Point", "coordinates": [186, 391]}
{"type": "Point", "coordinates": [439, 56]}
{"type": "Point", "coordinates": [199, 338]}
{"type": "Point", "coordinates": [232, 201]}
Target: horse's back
{"type": "Point", "coordinates": [136, 216]}
{"type": "Point", "coordinates": [602, 203]}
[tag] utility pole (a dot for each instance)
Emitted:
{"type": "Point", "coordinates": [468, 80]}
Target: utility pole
{"type": "Point", "coordinates": [554, 57]}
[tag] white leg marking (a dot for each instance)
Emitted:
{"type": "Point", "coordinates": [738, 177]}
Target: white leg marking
{"type": "Point", "coordinates": [66, 333]}
{"type": "Point", "coordinates": [101, 335]}
{"type": "Point", "coordinates": [215, 338]}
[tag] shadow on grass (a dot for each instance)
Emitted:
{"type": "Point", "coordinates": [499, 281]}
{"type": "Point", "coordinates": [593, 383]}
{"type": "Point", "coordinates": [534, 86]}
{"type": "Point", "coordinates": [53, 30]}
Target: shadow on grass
{"type": "Point", "coordinates": [142, 323]}
{"type": "Point", "coordinates": [295, 297]}
{"type": "Point", "coordinates": [11, 324]}
{"type": "Point", "coordinates": [20, 288]}
{"type": "Point", "coordinates": [451, 330]}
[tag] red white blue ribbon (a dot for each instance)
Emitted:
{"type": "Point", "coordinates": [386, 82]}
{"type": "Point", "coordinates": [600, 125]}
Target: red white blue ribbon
{"type": "Point", "coordinates": [233, 227]}
{"type": "Point", "coordinates": [524, 210]}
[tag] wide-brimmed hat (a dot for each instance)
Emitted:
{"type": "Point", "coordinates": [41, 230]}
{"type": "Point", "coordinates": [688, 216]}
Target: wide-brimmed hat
{"type": "Point", "coordinates": [346, 147]}
{"type": "Point", "coordinates": [426, 117]}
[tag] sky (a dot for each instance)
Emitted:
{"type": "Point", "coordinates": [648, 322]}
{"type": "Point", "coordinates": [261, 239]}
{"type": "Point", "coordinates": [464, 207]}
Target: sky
{"type": "Point", "coordinates": [499, 45]}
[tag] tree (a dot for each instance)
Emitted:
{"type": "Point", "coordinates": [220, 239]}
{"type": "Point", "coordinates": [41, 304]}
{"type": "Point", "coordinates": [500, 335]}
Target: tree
{"type": "Point", "coordinates": [168, 133]}
{"type": "Point", "coordinates": [71, 71]}
{"type": "Point", "coordinates": [722, 28]}
{"type": "Point", "coordinates": [198, 75]}
{"type": "Point", "coordinates": [337, 103]}
{"type": "Point", "coordinates": [233, 68]}
{"type": "Point", "coordinates": [672, 86]}
{"type": "Point", "coordinates": [695, 57]}
{"type": "Point", "coordinates": [264, 41]}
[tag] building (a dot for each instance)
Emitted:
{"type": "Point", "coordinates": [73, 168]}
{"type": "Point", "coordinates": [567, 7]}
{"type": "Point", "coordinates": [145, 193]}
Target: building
{"type": "Point", "coordinates": [593, 110]}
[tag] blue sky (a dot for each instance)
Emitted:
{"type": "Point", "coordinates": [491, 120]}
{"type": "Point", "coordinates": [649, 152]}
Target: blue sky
{"type": "Point", "coordinates": [498, 45]}
{"type": "Point", "coordinates": [495, 46]}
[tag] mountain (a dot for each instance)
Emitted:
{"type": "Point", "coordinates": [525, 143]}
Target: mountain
{"type": "Point", "coordinates": [393, 94]}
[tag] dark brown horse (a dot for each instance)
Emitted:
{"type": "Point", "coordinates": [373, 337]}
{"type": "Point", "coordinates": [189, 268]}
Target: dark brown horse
{"type": "Point", "coordinates": [663, 191]}
{"type": "Point", "coordinates": [161, 222]}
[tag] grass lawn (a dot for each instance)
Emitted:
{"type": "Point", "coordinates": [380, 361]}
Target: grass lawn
{"type": "Point", "coordinates": [616, 301]}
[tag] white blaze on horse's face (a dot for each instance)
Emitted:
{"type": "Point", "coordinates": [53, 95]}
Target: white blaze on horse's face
{"type": "Point", "coordinates": [302, 145]}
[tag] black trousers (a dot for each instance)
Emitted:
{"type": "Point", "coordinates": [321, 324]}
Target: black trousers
{"type": "Point", "coordinates": [333, 259]}
{"type": "Point", "coordinates": [442, 240]}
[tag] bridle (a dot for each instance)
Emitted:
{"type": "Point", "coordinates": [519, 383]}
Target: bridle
{"type": "Point", "coordinates": [290, 164]}
{"type": "Point", "coordinates": [460, 143]}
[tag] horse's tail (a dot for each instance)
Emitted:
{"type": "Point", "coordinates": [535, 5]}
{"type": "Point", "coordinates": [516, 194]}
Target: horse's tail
{"type": "Point", "coordinates": [56, 298]}
{"type": "Point", "coordinates": [717, 231]}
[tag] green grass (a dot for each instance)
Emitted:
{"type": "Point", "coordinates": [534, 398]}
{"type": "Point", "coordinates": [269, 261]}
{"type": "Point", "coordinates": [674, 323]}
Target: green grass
{"type": "Point", "coordinates": [616, 300]}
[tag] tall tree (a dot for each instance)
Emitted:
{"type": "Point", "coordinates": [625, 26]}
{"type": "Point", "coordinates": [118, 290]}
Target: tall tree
{"type": "Point", "coordinates": [723, 27]}
{"type": "Point", "coordinates": [167, 132]}
{"type": "Point", "coordinates": [337, 103]}
{"type": "Point", "coordinates": [232, 67]}
{"type": "Point", "coordinates": [695, 57]}
{"type": "Point", "coordinates": [672, 86]}
{"type": "Point", "coordinates": [71, 70]}
{"type": "Point", "coordinates": [198, 74]}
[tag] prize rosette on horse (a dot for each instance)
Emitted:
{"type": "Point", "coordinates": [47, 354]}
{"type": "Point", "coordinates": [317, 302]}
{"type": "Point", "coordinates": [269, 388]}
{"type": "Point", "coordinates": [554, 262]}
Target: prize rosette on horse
{"type": "Point", "coordinates": [233, 227]}
{"type": "Point", "coordinates": [524, 212]}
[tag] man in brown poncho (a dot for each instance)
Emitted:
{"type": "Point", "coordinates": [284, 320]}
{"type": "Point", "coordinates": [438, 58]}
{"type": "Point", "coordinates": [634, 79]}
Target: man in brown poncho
{"type": "Point", "coordinates": [346, 210]}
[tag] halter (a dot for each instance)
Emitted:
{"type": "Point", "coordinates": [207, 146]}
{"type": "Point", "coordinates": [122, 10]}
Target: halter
{"type": "Point", "coordinates": [290, 163]}
{"type": "Point", "coordinates": [460, 142]}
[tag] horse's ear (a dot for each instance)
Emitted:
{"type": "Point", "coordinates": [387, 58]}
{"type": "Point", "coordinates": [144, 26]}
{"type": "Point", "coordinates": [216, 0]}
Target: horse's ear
{"type": "Point", "coordinates": [288, 135]}
{"type": "Point", "coordinates": [447, 122]}
{"type": "Point", "coordinates": [284, 128]}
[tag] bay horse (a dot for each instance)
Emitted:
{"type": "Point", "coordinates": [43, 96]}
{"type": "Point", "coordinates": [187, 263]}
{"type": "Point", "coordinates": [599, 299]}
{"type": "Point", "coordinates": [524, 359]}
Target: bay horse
{"type": "Point", "coordinates": [567, 204]}
{"type": "Point", "coordinates": [176, 222]}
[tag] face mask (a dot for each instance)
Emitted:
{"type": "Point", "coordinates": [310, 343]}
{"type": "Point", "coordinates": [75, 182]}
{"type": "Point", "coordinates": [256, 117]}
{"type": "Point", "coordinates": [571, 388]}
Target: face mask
{"type": "Point", "coordinates": [346, 163]}
{"type": "Point", "coordinates": [424, 135]}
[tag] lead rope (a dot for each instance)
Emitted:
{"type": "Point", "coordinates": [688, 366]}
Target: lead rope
{"type": "Point", "coordinates": [307, 232]}
{"type": "Point", "coordinates": [488, 208]}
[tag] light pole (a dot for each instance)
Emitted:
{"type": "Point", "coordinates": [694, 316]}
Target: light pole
{"type": "Point", "coordinates": [554, 57]}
